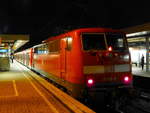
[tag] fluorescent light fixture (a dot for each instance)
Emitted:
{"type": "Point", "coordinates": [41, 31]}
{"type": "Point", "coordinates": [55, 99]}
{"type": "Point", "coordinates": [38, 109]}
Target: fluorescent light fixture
{"type": "Point", "coordinates": [137, 34]}
{"type": "Point", "coordinates": [140, 39]}
{"type": "Point", "coordinates": [19, 43]}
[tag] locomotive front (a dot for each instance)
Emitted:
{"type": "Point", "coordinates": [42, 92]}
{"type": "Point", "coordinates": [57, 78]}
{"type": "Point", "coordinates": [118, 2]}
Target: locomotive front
{"type": "Point", "coordinates": [106, 60]}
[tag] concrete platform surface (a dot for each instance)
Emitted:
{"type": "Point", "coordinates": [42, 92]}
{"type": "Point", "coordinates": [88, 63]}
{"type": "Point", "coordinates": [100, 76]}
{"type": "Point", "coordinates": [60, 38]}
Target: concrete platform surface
{"type": "Point", "coordinates": [139, 72]}
{"type": "Point", "coordinates": [21, 93]}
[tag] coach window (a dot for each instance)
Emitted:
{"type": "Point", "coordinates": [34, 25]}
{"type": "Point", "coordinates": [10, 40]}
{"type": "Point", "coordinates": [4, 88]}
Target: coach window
{"type": "Point", "coordinates": [36, 50]}
{"type": "Point", "coordinates": [69, 43]}
{"type": "Point", "coordinates": [54, 46]}
{"type": "Point", "coordinates": [40, 51]}
{"type": "Point", "coordinates": [45, 49]}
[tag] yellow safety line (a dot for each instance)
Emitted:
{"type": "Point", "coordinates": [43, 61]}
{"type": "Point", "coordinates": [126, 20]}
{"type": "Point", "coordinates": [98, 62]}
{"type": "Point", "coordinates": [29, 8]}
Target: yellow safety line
{"type": "Point", "coordinates": [16, 92]}
{"type": "Point", "coordinates": [15, 88]}
{"type": "Point", "coordinates": [7, 96]}
{"type": "Point", "coordinates": [45, 99]}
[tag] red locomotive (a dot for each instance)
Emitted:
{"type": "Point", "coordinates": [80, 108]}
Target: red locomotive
{"type": "Point", "coordinates": [87, 59]}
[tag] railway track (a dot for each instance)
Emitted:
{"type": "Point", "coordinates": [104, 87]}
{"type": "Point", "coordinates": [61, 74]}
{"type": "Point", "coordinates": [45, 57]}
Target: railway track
{"type": "Point", "coordinates": [140, 102]}
{"type": "Point", "coordinates": [137, 105]}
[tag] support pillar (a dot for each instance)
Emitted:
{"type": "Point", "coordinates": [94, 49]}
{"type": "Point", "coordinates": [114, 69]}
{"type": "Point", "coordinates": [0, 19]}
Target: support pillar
{"type": "Point", "coordinates": [147, 54]}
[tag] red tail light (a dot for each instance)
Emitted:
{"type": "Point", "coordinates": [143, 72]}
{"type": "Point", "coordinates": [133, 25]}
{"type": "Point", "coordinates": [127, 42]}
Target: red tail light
{"type": "Point", "coordinates": [126, 79]}
{"type": "Point", "coordinates": [90, 82]}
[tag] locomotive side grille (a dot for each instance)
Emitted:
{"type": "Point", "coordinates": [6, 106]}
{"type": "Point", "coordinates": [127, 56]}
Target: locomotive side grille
{"type": "Point", "coordinates": [93, 69]}
{"type": "Point", "coordinates": [106, 69]}
{"type": "Point", "coordinates": [122, 68]}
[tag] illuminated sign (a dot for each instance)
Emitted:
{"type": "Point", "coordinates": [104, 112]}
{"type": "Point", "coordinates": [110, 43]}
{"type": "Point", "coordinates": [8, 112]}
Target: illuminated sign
{"type": "Point", "coordinates": [3, 50]}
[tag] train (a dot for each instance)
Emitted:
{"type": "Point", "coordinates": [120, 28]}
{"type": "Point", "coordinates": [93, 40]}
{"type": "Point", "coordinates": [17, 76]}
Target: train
{"type": "Point", "coordinates": [83, 61]}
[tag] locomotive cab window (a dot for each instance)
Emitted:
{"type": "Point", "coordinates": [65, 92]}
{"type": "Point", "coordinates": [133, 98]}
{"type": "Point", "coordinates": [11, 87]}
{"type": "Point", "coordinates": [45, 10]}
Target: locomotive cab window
{"type": "Point", "coordinates": [93, 41]}
{"type": "Point", "coordinates": [116, 41]}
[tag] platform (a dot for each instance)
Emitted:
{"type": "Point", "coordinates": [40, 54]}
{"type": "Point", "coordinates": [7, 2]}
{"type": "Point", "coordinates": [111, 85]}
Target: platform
{"type": "Point", "coordinates": [136, 70]}
{"type": "Point", "coordinates": [22, 91]}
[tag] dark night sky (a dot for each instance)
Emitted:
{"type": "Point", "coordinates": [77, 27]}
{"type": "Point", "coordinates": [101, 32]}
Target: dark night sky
{"type": "Point", "coordinates": [41, 18]}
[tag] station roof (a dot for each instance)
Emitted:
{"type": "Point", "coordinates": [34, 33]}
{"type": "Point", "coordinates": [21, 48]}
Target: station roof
{"type": "Point", "coordinates": [14, 41]}
{"type": "Point", "coordinates": [138, 28]}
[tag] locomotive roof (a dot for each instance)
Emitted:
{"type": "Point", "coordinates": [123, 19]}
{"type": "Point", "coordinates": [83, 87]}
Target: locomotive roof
{"type": "Point", "coordinates": [96, 30]}
{"type": "Point", "coordinates": [83, 30]}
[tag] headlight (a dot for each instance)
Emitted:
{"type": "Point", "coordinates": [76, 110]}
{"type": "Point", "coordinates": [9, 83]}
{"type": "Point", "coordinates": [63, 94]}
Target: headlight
{"type": "Point", "coordinates": [125, 57]}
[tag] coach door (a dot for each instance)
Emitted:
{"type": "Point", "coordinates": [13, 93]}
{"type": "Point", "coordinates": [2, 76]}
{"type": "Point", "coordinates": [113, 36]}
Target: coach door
{"type": "Point", "coordinates": [66, 46]}
{"type": "Point", "coordinates": [63, 58]}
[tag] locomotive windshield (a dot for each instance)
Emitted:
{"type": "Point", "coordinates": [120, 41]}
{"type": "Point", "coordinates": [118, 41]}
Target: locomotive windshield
{"type": "Point", "coordinates": [116, 41]}
{"type": "Point", "coordinates": [96, 41]}
{"type": "Point", "coordinates": [93, 41]}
